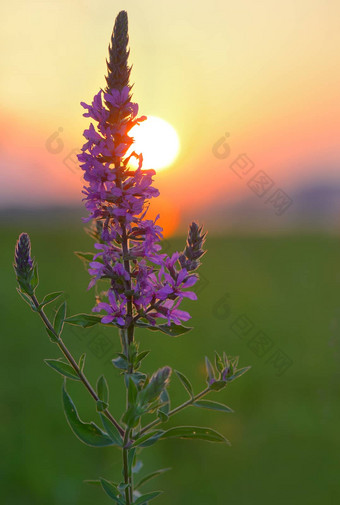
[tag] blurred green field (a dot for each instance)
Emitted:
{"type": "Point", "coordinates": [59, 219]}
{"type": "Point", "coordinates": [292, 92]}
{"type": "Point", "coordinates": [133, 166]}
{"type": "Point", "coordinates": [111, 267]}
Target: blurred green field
{"type": "Point", "coordinates": [285, 429]}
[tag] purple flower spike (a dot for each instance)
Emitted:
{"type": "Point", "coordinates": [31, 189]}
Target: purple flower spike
{"type": "Point", "coordinates": [143, 282]}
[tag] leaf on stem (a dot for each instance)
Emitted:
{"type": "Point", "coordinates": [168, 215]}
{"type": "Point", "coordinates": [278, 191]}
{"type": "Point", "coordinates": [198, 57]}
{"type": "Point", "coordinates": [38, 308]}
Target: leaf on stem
{"type": "Point", "coordinates": [145, 498]}
{"type": "Point", "coordinates": [194, 432]}
{"type": "Point", "coordinates": [148, 439]}
{"type": "Point", "coordinates": [88, 433]}
{"type": "Point", "coordinates": [52, 336]}
{"type": "Point", "coordinates": [83, 320]}
{"type": "Point", "coordinates": [174, 330]}
{"type": "Point", "coordinates": [86, 257]}
{"type": "Point", "coordinates": [103, 389]}
{"type": "Point", "coordinates": [81, 363]}
{"type": "Point", "coordinates": [60, 318]}
{"type": "Point", "coordinates": [131, 460]}
{"type": "Point", "coordinates": [207, 404]}
{"type": "Point", "coordinates": [50, 298]}
{"type": "Point", "coordinates": [111, 490]}
{"type": "Point", "coordinates": [151, 476]}
{"type": "Point", "coordinates": [111, 430]}
{"type": "Point", "coordinates": [186, 383]}
{"type": "Point", "coordinates": [238, 373]}
{"type": "Point", "coordinates": [210, 371]}
{"type": "Point", "coordinates": [63, 368]}
{"type": "Point", "coordinates": [27, 299]}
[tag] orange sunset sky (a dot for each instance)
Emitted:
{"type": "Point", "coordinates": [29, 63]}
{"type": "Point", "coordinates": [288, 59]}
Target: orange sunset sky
{"type": "Point", "coordinates": [266, 73]}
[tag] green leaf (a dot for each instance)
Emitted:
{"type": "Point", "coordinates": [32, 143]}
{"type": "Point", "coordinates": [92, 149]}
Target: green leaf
{"type": "Point", "coordinates": [81, 363]}
{"type": "Point", "coordinates": [103, 389]}
{"type": "Point", "coordinates": [165, 399]}
{"type": "Point", "coordinates": [132, 391]}
{"type": "Point", "coordinates": [194, 432]}
{"type": "Point", "coordinates": [217, 385]}
{"type": "Point", "coordinates": [186, 383]}
{"type": "Point", "coordinates": [132, 415]}
{"type": "Point", "coordinates": [120, 363]}
{"type": "Point", "coordinates": [26, 299]}
{"type": "Point", "coordinates": [52, 336]}
{"type": "Point", "coordinates": [60, 318]}
{"type": "Point", "coordinates": [145, 498]}
{"type": "Point", "coordinates": [50, 298]}
{"type": "Point", "coordinates": [63, 368]}
{"type": "Point", "coordinates": [163, 417]}
{"type": "Point", "coordinates": [139, 358]}
{"type": "Point", "coordinates": [101, 406]}
{"type": "Point", "coordinates": [93, 482]}
{"type": "Point", "coordinates": [83, 320]}
{"type": "Point", "coordinates": [111, 490]}
{"type": "Point", "coordinates": [111, 430]}
{"type": "Point", "coordinates": [35, 277]}
{"type": "Point", "coordinates": [207, 404]}
{"type": "Point", "coordinates": [86, 257]}
{"type": "Point", "coordinates": [131, 459]}
{"type": "Point", "coordinates": [238, 373]}
{"type": "Point", "coordinates": [218, 362]}
{"type": "Point", "coordinates": [151, 476]}
{"type": "Point", "coordinates": [148, 439]}
{"type": "Point", "coordinates": [210, 370]}
{"type": "Point", "coordinates": [88, 433]}
{"type": "Point", "coordinates": [174, 330]}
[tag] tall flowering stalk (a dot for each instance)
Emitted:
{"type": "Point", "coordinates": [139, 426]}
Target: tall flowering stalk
{"type": "Point", "coordinates": [144, 287]}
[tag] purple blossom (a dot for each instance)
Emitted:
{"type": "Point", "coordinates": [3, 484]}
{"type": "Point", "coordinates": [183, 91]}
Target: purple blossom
{"type": "Point", "coordinates": [116, 197]}
{"type": "Point", "coordinates": [115, 311]}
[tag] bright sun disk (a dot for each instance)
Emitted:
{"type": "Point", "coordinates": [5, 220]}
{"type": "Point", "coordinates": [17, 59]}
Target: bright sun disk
{"type": "Point", "coordinates": [157, 140]}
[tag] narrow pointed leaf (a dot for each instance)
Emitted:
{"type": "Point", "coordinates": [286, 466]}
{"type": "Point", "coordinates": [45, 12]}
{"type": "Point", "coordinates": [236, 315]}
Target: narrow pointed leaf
{"type": "Point", "coordinates": [103, 389]}
{"type": "Point", "coordinates": [239, 372]}
{"type": "Point", "coordinates": [111, 490]}
{"type": "Point", "coordinates": [194, 432]}
{"type": "Point", "coordinates": [207, 404]}
{"type": "Point", "coordinates": [26, 299]}
{"type": "Point", "coordinates": [140, 357]}
{"type": "Point", "coordinates": [131, 459]}
{"type": "Point", "coordinates": [81, 363]}
{"type": "Point", "coordinates": [52, 336]}
{"type": "Point", "coordinates": [35, 277]}
{"type": "Point", "coordinates": [186, 383]}
{"type": "Point", "coordinates": [210, 370]}
{"type": "Point", "coordinates": [83, 320]}
{"type": "Point", "coordinates": [148, 439]}
{"type": "Point", "coordinates": [111, 430]}
{"type": "Point", "coordinates": [60, 318]}
{"type": "Point", "coordinates": [151, 476]}
{"type": "Point", "coordinates": [86, 257]}
{"type": "Point", "coordinates": [132, 390]}
{"type": "Point", "coordinates": [145, 498]}
{"type": "Point", "coordinates": [50, 298]}
{"type": "Point", "coordinates": [63, 368]}
{"type": "Point", "coordinates": [165, 399]}
{"type": "Point", "coordinates": [174, 330]}
{"type": "Point", "coordinates": [88, 433]}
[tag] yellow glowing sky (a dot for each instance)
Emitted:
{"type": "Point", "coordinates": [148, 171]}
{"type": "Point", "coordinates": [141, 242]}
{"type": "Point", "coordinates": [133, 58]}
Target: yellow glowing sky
{"type": "Point", "coordinates": [267, 73]}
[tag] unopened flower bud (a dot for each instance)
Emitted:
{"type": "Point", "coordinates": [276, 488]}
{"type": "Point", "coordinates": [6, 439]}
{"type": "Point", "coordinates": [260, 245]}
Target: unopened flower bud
{"type": "Point", "coordinates": [23, 263]}
{"type": "Point", "coordinates": [189, 259]}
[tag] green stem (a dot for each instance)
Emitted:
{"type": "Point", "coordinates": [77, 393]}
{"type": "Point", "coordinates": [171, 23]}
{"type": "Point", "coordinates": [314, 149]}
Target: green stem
{"type": "Point", "coordinates": [127, 478]}
{"type": "Point", "coordinates": [73, 362]}
{"type": "Point", "coordinates": [175, 410]}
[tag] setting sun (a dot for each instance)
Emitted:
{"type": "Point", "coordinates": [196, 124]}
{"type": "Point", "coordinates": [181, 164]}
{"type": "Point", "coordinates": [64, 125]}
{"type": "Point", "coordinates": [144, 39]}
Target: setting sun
{"type": "Point", "coordinates": [157, 140]}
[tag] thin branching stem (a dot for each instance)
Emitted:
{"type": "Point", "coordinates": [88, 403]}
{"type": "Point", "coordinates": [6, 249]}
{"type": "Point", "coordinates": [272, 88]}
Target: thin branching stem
{"type": "Point", "coordinates": [175, 410]}
{"type": "Point", "coordinates": [73, 362]}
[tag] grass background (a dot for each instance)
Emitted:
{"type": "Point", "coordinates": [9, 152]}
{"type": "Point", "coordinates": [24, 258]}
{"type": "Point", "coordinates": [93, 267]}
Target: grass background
{"type": "Point", "coordinates": [284, 432]}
